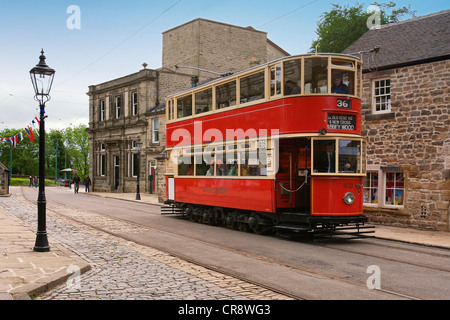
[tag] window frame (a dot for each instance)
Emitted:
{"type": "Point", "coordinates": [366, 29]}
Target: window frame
{"type": "Point", "coordinates": [134, 104]}
{"type": "Point", "coordinates": [118, 106]}
{"type": "Point", "coordinates": [102, 110]}
{"type": "Point", "coordinates": [155, 130]}
{"type": "Point", "coordinates": [388, 103]}
{"type": "Point", "coordinates": [383, 188]}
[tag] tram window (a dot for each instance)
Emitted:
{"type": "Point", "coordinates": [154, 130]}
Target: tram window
{"type": "Point", "coordinates": [343, 63]}
{"type": "Point", "coordinates": [221, 168]}
{"type": "Point", "coordinates": [292, 77]}
{"type": "Point", "coordinates": [226, 95]}
{"type": "Point", "coordinates": [316, 74]}
{"type": "Point", "coordinates": [343, 82]}
{"type": "Point", "coordinates": [186, 163]}
{"type": "Point", "coordinates": [252, 87]}
{"type": "Point", "coordinates": [325, 156]}
{"type": "Point", "coordinates": [349, 156]}
{"type": "Point", "coordinates": [251, 165]}
{"type": "Point", "coordinates": [275, 80]}
{"type": "Point", "coordinates": [203, 101]}
{"type": "Point", "coordinates": [169, 109]}
{"type": "Point", "coordinates": [184, 107]}
{"type": "Point", "coordinates": [200, 165]}
{"type": "Point", "coordinates": [186, 168]}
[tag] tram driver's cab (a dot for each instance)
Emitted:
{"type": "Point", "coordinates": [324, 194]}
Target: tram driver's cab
{"type": "Point", "coordinates": [306, 165]}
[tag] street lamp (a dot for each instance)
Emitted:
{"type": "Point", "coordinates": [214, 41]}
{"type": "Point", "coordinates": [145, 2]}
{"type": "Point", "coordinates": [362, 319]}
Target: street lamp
{"type": "Point", "coordinates": [138, 155]}
{"type": "Point", "coordinates": [42, 79]}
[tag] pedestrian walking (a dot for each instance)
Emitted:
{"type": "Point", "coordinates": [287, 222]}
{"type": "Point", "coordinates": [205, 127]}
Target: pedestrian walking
{"type": "Point", "coordinates": [87, 182]}
{"type": "Point", "coordinates": [36, 181]}
{"type": "Point", "coordinates": [31, 181]}
{"type": "Point", "coordinates": [76, 182]}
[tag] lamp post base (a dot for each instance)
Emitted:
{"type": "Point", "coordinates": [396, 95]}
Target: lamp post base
{"type": "Point", "coordinates": [41, 244]}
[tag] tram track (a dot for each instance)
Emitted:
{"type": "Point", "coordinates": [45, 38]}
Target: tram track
{"type": "Point", "coordinates": [54, 208]}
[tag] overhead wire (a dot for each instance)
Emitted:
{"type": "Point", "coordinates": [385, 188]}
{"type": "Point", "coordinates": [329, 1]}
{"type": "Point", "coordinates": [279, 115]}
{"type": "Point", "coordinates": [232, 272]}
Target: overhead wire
{"type": "Point", "coordinates": [286, 14]}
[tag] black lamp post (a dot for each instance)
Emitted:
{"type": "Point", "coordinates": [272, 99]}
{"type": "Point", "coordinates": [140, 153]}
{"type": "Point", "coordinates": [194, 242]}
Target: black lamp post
{"type": "Point", "coordinates": [138, 155]}
{"type": "Point", "coordinates": [42, 79]}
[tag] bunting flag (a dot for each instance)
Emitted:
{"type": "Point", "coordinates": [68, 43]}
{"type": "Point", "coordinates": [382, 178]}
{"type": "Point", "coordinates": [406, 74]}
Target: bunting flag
{"type": "Point", "coordinates": [19, 137]}
{"type": "Point", "coordinates": [34, 125]}
{"type": "Point", "coordinates": [29, 133]}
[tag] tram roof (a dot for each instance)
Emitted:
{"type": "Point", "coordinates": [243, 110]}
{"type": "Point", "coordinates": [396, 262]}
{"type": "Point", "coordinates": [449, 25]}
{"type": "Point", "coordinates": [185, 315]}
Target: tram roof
{"type": "Point", "coordinates": [211, 81]}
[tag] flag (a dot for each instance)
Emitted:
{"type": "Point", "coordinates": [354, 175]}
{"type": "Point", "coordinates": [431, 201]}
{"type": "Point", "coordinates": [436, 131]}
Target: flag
{"type": "Point", "coordinates": [34, 125]}
{"type": "Point", "coordinates": [29, 133]}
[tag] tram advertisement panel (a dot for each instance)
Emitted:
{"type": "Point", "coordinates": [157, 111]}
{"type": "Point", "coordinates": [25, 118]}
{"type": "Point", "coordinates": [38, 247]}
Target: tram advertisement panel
{"type": "Point", "coordinates": [341, 122]}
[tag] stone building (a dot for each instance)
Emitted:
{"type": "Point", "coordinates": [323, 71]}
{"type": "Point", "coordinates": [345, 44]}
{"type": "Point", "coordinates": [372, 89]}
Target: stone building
{"type": "Point", "coordinates": [130, 109]}
{"type": "Point", "coordinates": [405, 107]}
{"type": "Point", "coordinates": [4, 180]}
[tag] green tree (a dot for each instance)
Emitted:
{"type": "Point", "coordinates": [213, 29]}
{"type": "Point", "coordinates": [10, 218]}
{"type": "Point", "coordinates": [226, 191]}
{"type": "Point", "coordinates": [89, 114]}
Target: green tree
{"type": "Point", "coordinates": [61, 146]}
{"type": "Point", "coordinates": [77, 144]}
{"type": "Point", "coordinates": [341, 26]}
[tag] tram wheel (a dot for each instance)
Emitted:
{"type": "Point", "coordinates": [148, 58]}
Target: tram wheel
{"type": "Point", "coordinates": [257, 224]}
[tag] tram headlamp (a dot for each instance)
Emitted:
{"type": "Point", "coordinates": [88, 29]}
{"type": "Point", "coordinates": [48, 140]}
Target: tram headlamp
{"type": "Point", "coordinates": [323, 131]}
{"type": "Point", "coordinates": [349, 198]}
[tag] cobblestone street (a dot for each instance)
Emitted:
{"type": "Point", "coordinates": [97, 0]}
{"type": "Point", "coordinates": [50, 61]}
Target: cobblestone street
{"type": "Point", "coordinates": [124, 270]}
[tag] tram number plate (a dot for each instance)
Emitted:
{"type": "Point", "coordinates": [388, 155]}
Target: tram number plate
{"type": "Point", "coordinates": [344, 103]}
{"type": "Point", "coordinates": [341, 122]}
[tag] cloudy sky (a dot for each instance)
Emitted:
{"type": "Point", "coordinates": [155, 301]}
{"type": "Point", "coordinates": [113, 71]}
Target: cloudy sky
{"type": "Point", "coordinates": [108, 39]}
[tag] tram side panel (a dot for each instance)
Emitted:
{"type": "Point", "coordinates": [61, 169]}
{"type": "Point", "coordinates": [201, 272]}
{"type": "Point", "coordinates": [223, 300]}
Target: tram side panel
{"type": "Point", "coordinates": [242, 194]}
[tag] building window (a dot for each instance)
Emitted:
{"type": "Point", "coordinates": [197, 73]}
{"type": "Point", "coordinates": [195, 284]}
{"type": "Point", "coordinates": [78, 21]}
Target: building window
{"type": "Point", "coordinates": [118, 107]}
{"type": "Point", "coordinates": [102, 161]}
{"type": "Point", "coordinates": [395, 188]}
{"type": "Point", "coordinates": [134, 160]}
{"type": "Point", "coordinates": [134, 102]}
{"type": "Point", "coordinates": [155, 133]}
{"type": "Point", "coordinates": [371, 188]}
{"type": "Point", "coordinates": [381, 96]}
{"type": "Point", "coordinates": [384, 188]}
{"type": "Point", "coordinates": [102, 110]}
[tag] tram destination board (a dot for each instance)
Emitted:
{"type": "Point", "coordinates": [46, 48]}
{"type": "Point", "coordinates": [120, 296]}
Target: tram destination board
{"type": "Point", "coordinates": [341, 121]}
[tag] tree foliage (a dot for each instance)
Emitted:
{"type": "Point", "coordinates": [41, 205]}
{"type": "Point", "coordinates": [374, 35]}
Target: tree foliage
{"type": "Point", "coordinates": [62, 148]}
{"type": "Point", "coordinates": [341, 26]}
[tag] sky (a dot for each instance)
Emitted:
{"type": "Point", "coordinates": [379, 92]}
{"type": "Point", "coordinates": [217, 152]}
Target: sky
{"type": "Point", "coordinates": [108, 39]}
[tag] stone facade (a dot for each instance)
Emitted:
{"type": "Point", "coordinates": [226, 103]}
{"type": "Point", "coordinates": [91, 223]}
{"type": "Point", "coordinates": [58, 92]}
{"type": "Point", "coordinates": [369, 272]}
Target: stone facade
{"type": "Point", "coordinates": [113, 131]}
{"type": "Point", "coordinates": [4, 179]}
{"type": "Point", "coordinates": [111, 135]}
{"type": "Point", "coordinates": [405, 110]}
{"type": "Point", "coordinates": [217, 47]}
{"type": "Point", "coordinates": [413, 137]}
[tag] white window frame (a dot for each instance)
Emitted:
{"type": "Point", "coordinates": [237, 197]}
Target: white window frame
{"type": "Point", "coordinates": [118, 103]}
{"type": "Point", "coordinates": [102, 110]}
{"type": "Point", "coordinates": [383, 188]}
{"type": "Point", "coordinates": [367, 190]}
{"type": "Point", "coordinates": [385, 92]}
{"type": "Point", "coordinates": [155, 130]}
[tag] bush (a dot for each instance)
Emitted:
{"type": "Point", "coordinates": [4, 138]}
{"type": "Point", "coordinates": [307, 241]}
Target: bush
{"type": "Point", "coordinates": [26, 182]}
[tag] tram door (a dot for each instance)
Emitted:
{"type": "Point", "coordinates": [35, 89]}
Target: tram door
{"type": "Point", "coordinates": [293, 177]}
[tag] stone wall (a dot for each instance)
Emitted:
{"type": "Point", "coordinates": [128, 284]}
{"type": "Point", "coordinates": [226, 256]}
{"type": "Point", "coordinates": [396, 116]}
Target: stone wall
{"type": "Point", "coordinates": [214, 46]}
{"type": "Point", "coordinates": [4, 178]}
{"type": "Point", "coordinates": [414, 137]}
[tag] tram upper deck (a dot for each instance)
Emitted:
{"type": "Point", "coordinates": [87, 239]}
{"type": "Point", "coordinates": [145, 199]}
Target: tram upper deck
{"type": "Point", "coordinates": [298, 94]}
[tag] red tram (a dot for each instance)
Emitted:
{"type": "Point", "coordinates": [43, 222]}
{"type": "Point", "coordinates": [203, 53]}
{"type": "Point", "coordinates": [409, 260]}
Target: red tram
{"type": "Point", "coordinates": [275, 147]}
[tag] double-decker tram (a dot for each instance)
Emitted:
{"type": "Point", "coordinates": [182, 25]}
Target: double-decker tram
{"type": "Point", "coordinates": [275, 147]}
